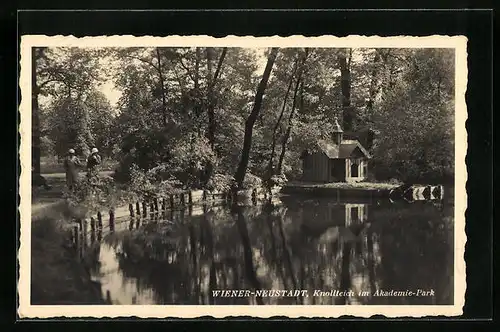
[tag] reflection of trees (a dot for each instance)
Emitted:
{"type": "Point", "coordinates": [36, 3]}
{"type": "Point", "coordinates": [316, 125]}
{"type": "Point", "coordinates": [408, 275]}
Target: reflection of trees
{"type": "Point", "coordinates": [241, 222]}
{"type": "Point", "coordinates": [416, 249]}
{"type": "Point", "coordinates": [404, 247]}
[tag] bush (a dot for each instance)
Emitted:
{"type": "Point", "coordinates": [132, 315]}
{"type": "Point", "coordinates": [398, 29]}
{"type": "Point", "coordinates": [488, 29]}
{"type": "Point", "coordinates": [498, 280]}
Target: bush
{"type": "Point", "coordinates": [94, 196]}
{"type": "Point", "coordinates": [251, 181]}
{"type": "Point", "coordinates": [278, 180]}
{"type": "Point", "coordinates": [221, 183]}
{"type": "Point", "coordinates": [151, 183]}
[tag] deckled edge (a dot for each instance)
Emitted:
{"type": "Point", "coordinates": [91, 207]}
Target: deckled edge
{"type": "Point", "coordinates": [26, 310]}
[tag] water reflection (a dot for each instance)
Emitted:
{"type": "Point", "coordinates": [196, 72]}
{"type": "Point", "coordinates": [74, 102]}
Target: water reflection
{"type": "Point", "coordinates": [348, 251]}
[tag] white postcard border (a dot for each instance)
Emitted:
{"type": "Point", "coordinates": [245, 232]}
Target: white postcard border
{"type": "Point", "coordinates": [26, 310]}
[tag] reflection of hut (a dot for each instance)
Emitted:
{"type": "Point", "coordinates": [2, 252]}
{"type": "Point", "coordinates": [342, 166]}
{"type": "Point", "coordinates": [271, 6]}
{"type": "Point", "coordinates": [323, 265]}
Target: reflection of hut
{"type": "Point", "coordinates": [319, 218]}
{"type": "Point", "coordinates": [338, 160]}
{"type": "Point", "coordinates": [355, 214]}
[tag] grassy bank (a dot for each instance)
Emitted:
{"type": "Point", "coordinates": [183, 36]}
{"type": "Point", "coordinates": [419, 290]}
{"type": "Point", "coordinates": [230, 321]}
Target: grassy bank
{"type": "Point", "coordinates": [344, 185]}
{"type": "Point", "coordinates": [57, 277]}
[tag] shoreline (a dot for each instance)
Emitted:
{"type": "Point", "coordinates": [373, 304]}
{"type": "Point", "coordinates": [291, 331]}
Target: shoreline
{"type": "Point", "coordinates": [340, 189]}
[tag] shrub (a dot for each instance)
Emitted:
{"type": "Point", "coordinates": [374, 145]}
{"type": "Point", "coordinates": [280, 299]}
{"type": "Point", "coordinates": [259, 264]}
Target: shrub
{"type": "Point", "coordinates": [150, 183]}
{"type": "Point", "coordinates": [251, 181]}
{"type": "Point", "coordinates": [278, 180]}
{"type": "Point", "coordinates": [221, 182]}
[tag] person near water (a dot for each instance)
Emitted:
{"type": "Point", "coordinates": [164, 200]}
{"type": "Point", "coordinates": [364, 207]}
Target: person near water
{"type": "Point", "coordinates": [93, 161]}
{"type": "Point", "coordinates": [71, 164]}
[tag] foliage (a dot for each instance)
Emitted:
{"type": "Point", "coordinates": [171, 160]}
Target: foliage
{"type": "Point", "coordinates": [94, 197]}
{"type": "Point", "coordinates": [279, 180]}
{"type": "Point", "coordinates": [183, 112]}
{"type": "Point", "coordinates": [221, 183]}
{"type": "Point", "coordinates": [47, 146]}
{"type": "Point", "coordinates": [150, 183]}
{"type": "Point", "coordinates": [251, 181]}
{"type": "Point", "coordinates": [73, 113]}
{"type": "Point", "coordinates": [421, 107]}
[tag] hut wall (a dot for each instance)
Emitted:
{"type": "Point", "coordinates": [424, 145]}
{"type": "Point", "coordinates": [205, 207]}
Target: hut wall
{"type": "Point", "coordinates": [316, 167]}
{"type": "Point", "coordinates": [337, 170]}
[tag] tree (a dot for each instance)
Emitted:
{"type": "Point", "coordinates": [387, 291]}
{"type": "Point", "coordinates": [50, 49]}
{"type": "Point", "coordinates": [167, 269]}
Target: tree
{"type": "Point", "coordinates": [344, 59]}
{"type": "Point", "coordinates": [292, 111]}
{"type": "Point", "coordinates": [415, 117]}
{"type": "Point", "coordinates": [36, 53]}
{"type": "Point", "coordinates": [211, 101]}
{"type": "Point", "coordinates": [64, 77]}
{"type": "Point", "coordinates": [278, 122]}
{"type": "Point", "coordinates": [247, 143]}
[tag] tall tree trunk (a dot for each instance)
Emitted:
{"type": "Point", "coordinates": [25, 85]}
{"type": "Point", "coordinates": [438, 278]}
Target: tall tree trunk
{"type": "Point", "coordinates": [284, 142]}
{"type": "Point", "coordinates": [35, 115]}
{"type": "Point", "coordinates": [247, 141]}
{"type": "Point", "coordinates": [211, 99]}
{"type": "Point", "coordinates": [162, 86]}
{"type": "Point", "coordinates": [211, 103]}
{"type": "Point", "coordinates": [273, 145]}
{"type": "Point", "coordinates": [197, 94]}
{"type": "Point", "coordinates": [300, 83]}
{"type": "Point", "coordinates": [373, 86]}
{"type": "Point", "coordinates": [345, 87]}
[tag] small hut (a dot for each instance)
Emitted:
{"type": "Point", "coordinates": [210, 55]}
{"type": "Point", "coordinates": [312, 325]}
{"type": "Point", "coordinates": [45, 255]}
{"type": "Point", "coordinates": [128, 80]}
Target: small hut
{"type": "Point", "coordinates": [336, 160]}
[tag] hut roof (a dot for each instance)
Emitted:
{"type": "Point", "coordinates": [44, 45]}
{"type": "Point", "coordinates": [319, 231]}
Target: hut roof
{"type": "Point", "coordinates": [345, 150]}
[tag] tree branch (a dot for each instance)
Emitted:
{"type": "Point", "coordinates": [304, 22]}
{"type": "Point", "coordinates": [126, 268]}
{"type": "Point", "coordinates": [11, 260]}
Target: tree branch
{"type": "Point", "coordinates": [187, 69]}
{"type": "Point", "coordinates": [143, 60]}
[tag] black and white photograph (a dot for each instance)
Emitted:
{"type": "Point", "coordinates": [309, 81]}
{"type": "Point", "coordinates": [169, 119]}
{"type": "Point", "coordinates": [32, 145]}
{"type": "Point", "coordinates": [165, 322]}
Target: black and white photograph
{"type": "Point", "coordinates": [251, 176]}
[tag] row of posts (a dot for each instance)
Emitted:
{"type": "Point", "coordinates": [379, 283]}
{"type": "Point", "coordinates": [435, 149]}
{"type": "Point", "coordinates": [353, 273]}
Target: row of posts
{"type": "Point", "coordinates": [140, 210]}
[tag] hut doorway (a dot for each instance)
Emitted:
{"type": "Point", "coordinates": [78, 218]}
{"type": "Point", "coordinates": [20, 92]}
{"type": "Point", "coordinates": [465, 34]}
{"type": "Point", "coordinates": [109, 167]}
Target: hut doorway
{"type": "Point", "coordinates": [354, 170]}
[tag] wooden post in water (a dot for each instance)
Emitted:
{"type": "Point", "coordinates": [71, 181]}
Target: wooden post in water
{"type": "Point", "coordinates": [99, 226]}
{"type": "Point", "coordinates": [99, 220]}
{"type": "Point", "coordinates": [138, 209]}
{"type": "Point", "coordinates": [144, 209]}
{"type": "Point", "coordinates": [85, 225]}
{"type": "Point", "coordinates": [92, 229]}
{"type": "Point", "coordinates": [131, 210]}
{"type": "Point", "coordinates": [204, 197]}
{"type": "Point", "coordinates": [132, 216]}
{"type": "Point", "coordinates": [190, 198]}
{"type": "Point", "coordinates": [76, 237]}
{"type": "Point", "coordinates": [181, 216]}
{"type": "Point", "coordinates": [151, 210]}
{"type": "Point", "coordinates": [111, 220]}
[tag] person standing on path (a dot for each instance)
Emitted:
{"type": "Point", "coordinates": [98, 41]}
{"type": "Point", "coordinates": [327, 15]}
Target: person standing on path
{"type": "Point", "coordinates": [93, 161]}
{"type": "Point", "coordinates": [71, 163]}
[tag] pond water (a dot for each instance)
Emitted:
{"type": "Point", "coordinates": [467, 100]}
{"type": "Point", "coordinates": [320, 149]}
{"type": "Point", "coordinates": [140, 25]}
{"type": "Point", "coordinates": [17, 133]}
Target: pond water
{"type": "Point", "coordinates": [324, 251]}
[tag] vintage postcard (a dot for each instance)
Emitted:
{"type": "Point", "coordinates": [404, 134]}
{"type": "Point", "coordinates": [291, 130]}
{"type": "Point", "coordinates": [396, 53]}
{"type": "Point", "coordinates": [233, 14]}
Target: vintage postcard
{"type": "Point", "coordinates": [191, 176]}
